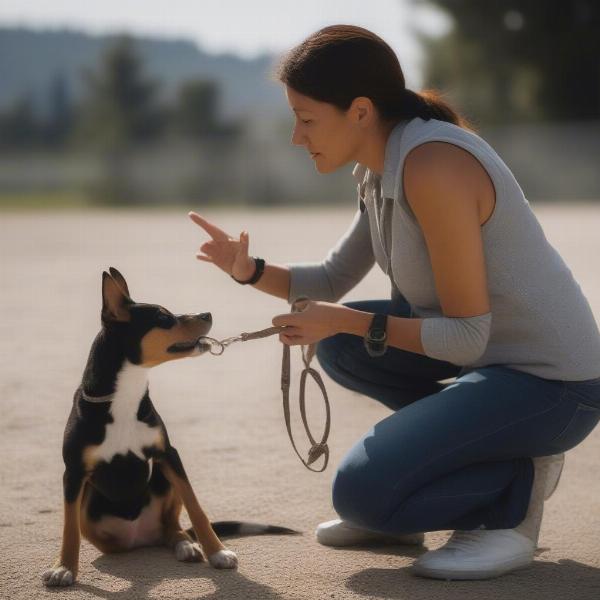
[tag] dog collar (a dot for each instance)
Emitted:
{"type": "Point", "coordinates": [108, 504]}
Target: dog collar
{"type": "Point", "coordinates": [107, 398]}
{"type": "Point", "coordinates": [99, 399]}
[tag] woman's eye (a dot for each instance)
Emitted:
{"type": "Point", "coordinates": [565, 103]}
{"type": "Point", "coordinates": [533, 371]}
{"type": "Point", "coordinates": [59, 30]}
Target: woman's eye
{"type": "Point", "coordinates": [307, 121]}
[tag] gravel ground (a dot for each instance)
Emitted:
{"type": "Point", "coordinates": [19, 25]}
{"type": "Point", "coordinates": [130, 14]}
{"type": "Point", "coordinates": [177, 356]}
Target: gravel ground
{"type": "Point", "coordinates": [224, 415]}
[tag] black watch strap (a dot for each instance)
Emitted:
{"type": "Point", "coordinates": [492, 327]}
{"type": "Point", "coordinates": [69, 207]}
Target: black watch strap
{"type": "Point", "coordinates": [376, 338]}
{"type": "Point", "coordinates": [258, 271]}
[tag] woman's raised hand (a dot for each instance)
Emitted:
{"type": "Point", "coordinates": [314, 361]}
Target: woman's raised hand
{"type": "Point", "coordinates": [225, 252]}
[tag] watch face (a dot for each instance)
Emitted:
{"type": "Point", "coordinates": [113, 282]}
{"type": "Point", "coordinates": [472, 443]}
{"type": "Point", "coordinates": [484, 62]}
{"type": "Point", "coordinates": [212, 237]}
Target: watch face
{"type": "Point", "coordinates": [375, 340]}
{"type": "Point", "coordinates": [377, 335]}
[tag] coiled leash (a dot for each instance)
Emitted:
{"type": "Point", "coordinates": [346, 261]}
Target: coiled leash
{"type": "Point", "coordinates": [317, 449]}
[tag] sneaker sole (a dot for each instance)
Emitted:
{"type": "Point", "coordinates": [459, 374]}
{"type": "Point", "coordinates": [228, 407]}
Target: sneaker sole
{"type": "Point", "coordinates": [449, 574]}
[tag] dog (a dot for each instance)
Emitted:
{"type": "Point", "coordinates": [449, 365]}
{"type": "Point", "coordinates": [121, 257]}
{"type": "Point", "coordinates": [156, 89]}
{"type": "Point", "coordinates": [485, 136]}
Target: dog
{"type": "Point", "coordinates": [124, 484]}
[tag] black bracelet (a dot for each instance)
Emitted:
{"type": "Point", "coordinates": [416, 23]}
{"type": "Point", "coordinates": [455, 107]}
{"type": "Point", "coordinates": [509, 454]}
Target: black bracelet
{"type": "Point", "coordinates": [375, 340]}
{"type": "Point", "coordinates": [258, 271]}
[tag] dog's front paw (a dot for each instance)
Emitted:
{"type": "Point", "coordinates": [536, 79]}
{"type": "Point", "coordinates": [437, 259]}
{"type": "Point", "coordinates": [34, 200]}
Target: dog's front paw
{"type": "Point", "coordinates": [58, 576]}
{"type": "Point", "coordinates": [223, 559]}
{"type": "Point", "coordinates": [187, 551]}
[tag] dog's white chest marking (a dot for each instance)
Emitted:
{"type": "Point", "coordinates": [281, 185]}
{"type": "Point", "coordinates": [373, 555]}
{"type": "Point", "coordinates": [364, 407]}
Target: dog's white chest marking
{"type": "Point", "coordinates": [127, 434]}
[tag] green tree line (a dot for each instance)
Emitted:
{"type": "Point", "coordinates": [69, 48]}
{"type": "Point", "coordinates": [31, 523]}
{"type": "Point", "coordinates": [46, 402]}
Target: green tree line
{"type": "Point", "coordinates": [121, 109]}
{"type": "Point", "coordinates": [518, 60]}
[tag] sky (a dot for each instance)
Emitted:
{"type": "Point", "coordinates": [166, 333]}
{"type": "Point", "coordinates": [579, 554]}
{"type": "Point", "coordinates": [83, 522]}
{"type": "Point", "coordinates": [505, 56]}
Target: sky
{"type": "Point", "coordinates": [236, 26]}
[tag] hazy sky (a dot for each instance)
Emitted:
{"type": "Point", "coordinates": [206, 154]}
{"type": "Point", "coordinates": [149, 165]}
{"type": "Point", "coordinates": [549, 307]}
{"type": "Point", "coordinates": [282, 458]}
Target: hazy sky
{"type": "Point", "coordinates": [242, 27]}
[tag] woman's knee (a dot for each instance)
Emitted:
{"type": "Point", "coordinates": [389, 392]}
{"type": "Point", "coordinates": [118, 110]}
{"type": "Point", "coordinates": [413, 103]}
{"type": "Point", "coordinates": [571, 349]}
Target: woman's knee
{"type": "Point", "coordinates": [358, 500]}
{"type": "Point", "coordinates": [347, 497]}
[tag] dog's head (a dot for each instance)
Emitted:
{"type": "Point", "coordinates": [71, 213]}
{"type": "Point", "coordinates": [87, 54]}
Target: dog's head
{"type": "Point", "coordinates": [149, 333]}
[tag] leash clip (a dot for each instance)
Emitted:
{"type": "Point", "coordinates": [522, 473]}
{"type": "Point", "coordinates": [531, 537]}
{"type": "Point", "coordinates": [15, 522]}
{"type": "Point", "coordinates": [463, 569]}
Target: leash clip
{"type": "Point", "coordinates": [215, 347]}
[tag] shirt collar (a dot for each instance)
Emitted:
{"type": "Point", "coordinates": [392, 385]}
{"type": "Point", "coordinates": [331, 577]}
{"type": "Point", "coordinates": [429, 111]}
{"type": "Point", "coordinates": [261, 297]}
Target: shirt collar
{"type": "Point", "coordinates": [359, 172]}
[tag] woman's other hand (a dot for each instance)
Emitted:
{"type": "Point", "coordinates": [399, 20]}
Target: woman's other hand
{"type": "Point", "coordinates": [317, 320]}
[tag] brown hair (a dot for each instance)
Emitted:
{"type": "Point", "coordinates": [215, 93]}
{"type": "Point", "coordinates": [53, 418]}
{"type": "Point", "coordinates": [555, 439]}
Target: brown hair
{"type": "Point", "coordinates": [342, 62]}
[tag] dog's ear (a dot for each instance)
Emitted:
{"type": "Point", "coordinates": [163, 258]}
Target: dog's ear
{"type": "Point", "coordinates": [120, 280]}
{"type": "Point", "coordinates": [115, 303]}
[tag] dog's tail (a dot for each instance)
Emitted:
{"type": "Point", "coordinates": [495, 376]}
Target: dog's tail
{"type": "Point", "coordinates": [242, 528]}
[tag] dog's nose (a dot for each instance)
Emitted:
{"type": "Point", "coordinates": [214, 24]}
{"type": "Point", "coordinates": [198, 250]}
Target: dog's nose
{"type": "Point", "coordinates": [205, 316]}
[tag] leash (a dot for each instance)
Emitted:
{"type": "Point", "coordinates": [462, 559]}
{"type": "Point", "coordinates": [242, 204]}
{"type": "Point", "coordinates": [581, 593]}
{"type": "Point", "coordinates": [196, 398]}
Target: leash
{"type": "Point", "coordinates": [317, 449]}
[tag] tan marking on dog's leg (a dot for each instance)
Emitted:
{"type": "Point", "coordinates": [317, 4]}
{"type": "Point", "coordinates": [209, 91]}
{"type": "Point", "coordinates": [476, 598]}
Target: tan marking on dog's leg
{"type": "Point", "coordinates": [65, 569]}
{"type": "Point", "coordinates": [186, 549]}
{"type": "Point", "coordinates": [170, 519]}
{"type": "Point", "coordinates": [69, 553]}
{"type": "Point", "coordinates": [206, 536]}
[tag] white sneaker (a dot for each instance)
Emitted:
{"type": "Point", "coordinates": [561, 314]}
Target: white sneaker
{"type": "Point", "coordinates": [477, 554]}
{"type": "Point", "coordinates": [340, 533]}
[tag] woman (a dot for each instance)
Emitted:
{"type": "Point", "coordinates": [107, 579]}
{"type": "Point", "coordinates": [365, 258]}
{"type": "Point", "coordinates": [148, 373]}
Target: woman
{"type": "Point", "coordinates": [478, 294]}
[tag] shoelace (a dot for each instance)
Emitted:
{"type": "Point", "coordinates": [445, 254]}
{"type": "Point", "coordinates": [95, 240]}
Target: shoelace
{"type": "Point", "coordinates": [464, 540]}
{"type": "Point", "coordinates": [317, 449]}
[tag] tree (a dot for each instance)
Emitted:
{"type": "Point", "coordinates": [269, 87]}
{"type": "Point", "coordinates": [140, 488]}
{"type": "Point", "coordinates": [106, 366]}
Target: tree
{"type": "Point", "coordinates": [511, 60]}
{"type": "Point", "coordinates": [59, 123]}
{"type": "Point", "coordinates": [120, 108]}
{"type": "Point", "coordinates": [197, 109]}
{"type": "Point", "coordinates": [18, 125]}
{"type": "Point", "coordinates": [196, 114]}
{"type": "Point", "coordinates": [120, 112]}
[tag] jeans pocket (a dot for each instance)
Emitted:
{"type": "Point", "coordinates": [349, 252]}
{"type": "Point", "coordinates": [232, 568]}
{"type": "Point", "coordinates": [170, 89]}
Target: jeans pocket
{"type": "Point", "coordinates": [584, 392]}
{"type": "Point", "coordinates": [581, 424]}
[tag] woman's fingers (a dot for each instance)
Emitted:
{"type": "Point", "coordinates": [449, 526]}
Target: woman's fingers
{"type": "Point", "coordinates": [208, 247]}
{"type": "Point", "coordinates": [291, 330]}
{"type": "Point", "coordinates": [244, 243]}
{"type": "Point", "coordinates": [291, 340]}
{"type": "Point", "coordinates": [290, 335]}
{"type": "Point", "coordinates": [204, 258]}
{"type": "Point", "coordinates": [212, 230]}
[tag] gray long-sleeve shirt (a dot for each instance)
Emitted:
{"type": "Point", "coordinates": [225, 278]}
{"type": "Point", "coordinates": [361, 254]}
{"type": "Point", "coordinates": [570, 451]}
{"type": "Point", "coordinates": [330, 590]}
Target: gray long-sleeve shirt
{"type": "Point", "coordinates": [540, 321]}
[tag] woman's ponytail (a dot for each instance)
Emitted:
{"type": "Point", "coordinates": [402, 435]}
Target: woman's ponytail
{"type": "Point", "coordinates": [428, 104]}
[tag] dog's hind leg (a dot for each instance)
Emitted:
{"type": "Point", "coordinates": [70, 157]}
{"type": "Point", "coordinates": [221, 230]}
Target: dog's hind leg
{"type": "Point", "coordinates": [186, 549]}
{"type": "Point", "coordinates": [218, 556]}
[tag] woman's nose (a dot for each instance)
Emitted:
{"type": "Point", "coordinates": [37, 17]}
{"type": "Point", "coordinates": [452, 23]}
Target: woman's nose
{"type": "Point", "coordinates": [296, 138]}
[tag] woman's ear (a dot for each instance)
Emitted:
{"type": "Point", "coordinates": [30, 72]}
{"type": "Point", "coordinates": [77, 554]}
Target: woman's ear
{"type": "Point", "coordinates": [362, 111]}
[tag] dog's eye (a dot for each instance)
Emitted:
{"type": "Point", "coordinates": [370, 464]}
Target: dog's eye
{"type": "Point", "coordinates": [165, 320]}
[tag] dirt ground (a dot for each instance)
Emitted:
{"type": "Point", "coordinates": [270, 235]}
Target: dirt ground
{"type": "Point", "coordinates": [224, 415]}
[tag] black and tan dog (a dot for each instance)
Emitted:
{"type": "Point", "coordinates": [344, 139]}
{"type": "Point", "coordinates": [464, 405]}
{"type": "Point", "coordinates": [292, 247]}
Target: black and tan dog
{"type": "Point", "coordinates": [124, 483]}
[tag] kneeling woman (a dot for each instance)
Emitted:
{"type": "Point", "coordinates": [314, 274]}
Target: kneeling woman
{"type": "Point", "coordinates": [478, 294]}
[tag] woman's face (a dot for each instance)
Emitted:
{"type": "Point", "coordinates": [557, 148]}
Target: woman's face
{"type": "Point", "coordinates": [330, 135]}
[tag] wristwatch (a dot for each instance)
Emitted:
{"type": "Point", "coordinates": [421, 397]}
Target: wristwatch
{"type": "Point", "coordinates": [258, 271]}
{"type": "Point", "coordinates": [376, 338]}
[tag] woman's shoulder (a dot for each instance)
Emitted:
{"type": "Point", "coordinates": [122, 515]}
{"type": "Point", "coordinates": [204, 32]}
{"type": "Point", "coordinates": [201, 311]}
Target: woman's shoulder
{"type": "Point", "coordinates": [435, 142]}
{"type": "Point", "coordinates": [418, 129]}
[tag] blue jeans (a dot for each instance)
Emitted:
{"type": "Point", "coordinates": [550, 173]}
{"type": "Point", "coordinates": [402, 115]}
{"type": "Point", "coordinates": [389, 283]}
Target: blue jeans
{"type": "Point", "coordinates": [451, 456]}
